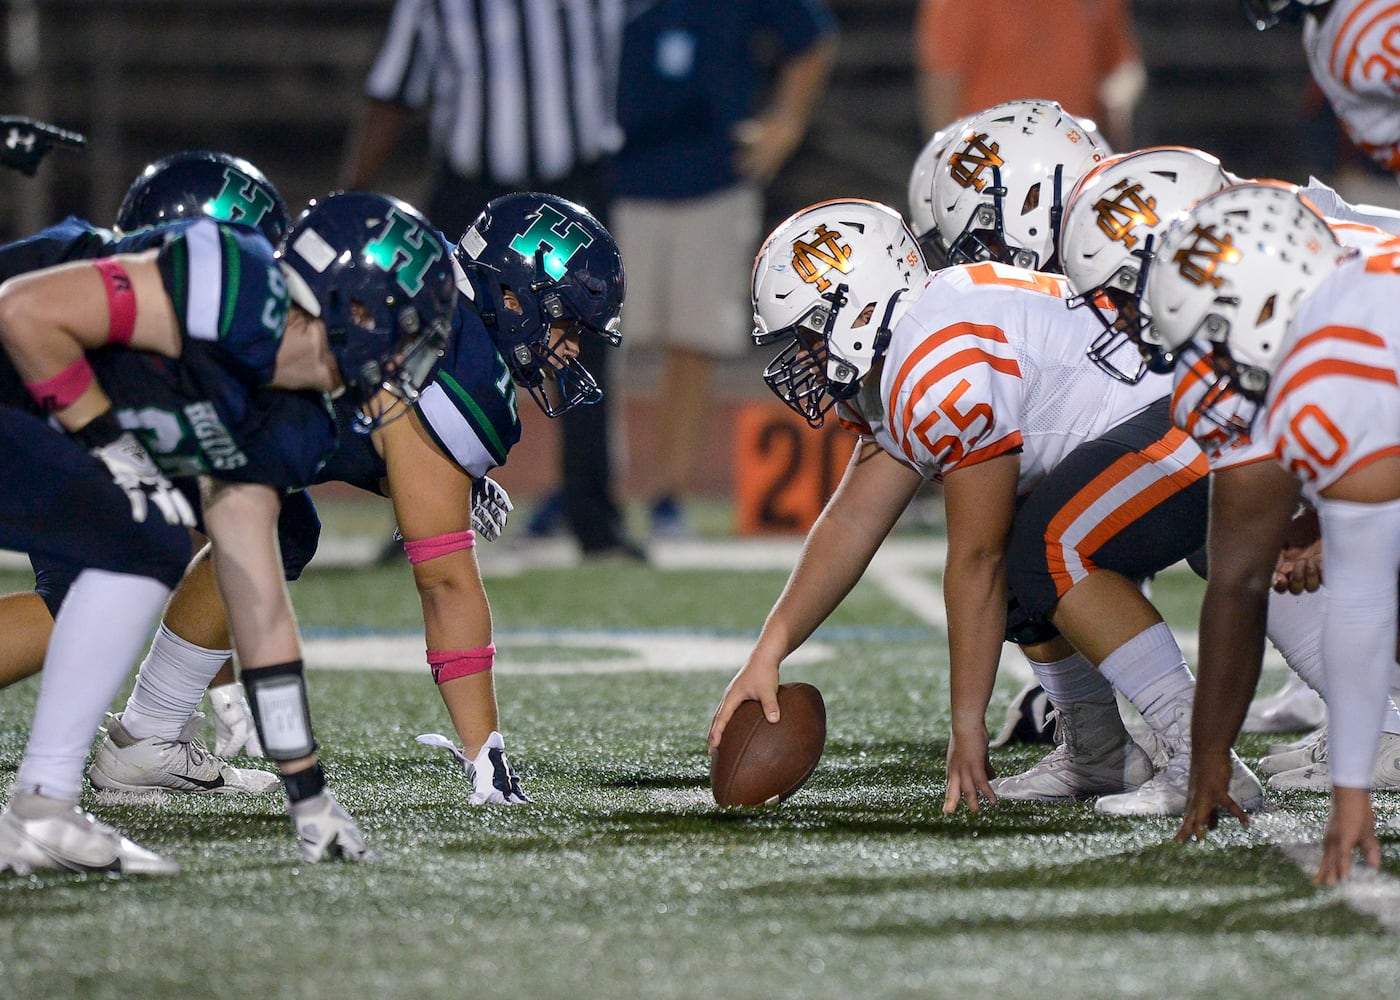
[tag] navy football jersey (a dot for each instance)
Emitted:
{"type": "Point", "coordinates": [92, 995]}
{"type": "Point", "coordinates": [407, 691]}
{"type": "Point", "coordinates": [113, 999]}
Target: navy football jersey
{"type": "Point", "coordinates": [71, 239]}
{"type": "Point", "coordinates": [468, 408]}
{"type": "Point", "coordinates": [207, 412]}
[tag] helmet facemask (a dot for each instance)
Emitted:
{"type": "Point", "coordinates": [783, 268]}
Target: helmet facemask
{"type": "Point", "coordinates": [1128, 348]}
{"type": "Point", "coordinates": [1223, 406]}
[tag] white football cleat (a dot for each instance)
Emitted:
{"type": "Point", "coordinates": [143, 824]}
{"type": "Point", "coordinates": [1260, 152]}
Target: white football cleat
{"type": "Point", "coordinates": [493, 781]}
{"type": "Point", "coordinates": [234, 729]}
{"type": "Point", "coordinates": [1293, 707]}
{"type": "Point", "coordinates": [126, 764]}
{"type": "Point", "coordinates": [1306, 739]}
{"type": "Point", "coordinates": [1316, 777]}
{"type": "Point", "coordinates": [1028, 718]}
{"type": "Point", "coordinates": [1313, 750]}
{"type": "Point", "coordinates": [58, 836]}
{"type": "Point", "coordinates": [326, 830]}
{"type": "Point", "coordinates": [1165, 794]}
{"type": "Point", "coordinates": [1095, 756]}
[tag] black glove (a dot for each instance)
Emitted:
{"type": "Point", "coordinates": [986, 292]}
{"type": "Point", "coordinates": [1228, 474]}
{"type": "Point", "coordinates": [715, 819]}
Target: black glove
{"type": "Point", "coordinates": [24, 142]}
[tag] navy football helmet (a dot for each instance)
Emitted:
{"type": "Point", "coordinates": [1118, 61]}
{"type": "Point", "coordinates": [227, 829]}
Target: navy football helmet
{"type": "Point", "coordinates": [200, 184]}
{"type": "Point", "coordinates": [380, 277]}
{"type": "Point", "coordinates": [559, 263]}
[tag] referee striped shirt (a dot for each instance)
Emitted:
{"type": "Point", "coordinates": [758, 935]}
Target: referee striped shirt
{"type": "Point", "coordinates": [516, 90]}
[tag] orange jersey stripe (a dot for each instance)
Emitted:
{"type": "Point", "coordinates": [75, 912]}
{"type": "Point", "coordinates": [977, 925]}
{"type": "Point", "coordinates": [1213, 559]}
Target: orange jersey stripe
{"type": "Point", "coordinates": [1350, 334]}
{"type": "Point", "coordinates": [962, 359]}
{"type": "Point", "coordinates": [1331, 366]}
{"type": "Point", "coordinates": [1367, 10]}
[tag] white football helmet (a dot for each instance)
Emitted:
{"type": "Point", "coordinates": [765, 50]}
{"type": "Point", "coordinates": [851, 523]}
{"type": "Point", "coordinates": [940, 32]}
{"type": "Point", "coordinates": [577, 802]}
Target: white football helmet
{"type": "Point", "coordinates": [1113, 218]}
{"type": "Point", "coordinates": [1231, 273]}
{"type": "Point", "coordinates": [921, 193]}
{"type": "Point", "coordinates": [832, 281]}
{"type": "Point", "coordinates": [999, 190]}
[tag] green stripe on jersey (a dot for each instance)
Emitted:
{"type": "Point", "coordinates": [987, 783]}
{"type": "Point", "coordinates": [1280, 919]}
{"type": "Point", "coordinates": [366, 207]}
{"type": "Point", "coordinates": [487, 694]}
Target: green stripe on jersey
{"type": "Point", "coordinates": [233, 272]}
{"type": "Point", "coordinates": [478, 417]}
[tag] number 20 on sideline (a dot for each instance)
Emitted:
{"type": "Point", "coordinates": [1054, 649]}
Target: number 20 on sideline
{"type": "Point", "coordinates": [784, 470]}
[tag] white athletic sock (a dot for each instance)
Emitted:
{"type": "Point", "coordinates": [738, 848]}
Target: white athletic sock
{"type": "Point", "coordinates": [172, 680]}
{"type": "Point", "coordinates": [1152, 674]}
{"type": "Point", "coordinates": [1072, 680]}
{"type": "Point", "coordinates": [101, 627]}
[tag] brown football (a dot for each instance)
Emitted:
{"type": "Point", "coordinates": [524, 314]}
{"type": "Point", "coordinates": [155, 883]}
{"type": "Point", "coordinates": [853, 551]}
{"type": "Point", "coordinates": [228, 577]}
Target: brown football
{"type": "Point", "coordinates": [758, 762]}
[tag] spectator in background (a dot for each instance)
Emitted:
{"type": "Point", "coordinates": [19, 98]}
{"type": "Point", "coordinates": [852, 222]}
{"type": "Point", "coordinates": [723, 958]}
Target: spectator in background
{"type": "Point", "coordinates": [520, 97]}
{"type": "Point", "coordinates": [688, 206]}
{"type": "Point", "coordinates": [1082, 53]}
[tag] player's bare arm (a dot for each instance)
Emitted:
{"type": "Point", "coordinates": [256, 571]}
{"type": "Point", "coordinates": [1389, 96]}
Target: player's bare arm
{"type": "Point", "coordinates": [874, 491]}
{"type": "Point", "coordinates": [432, 498]}
{"type": "Point", "coordinates": [48, 320]}
{"type": "Point", "coordinates": [980, 502]}
{"type": "Point", "coordinates": [1250, 509]}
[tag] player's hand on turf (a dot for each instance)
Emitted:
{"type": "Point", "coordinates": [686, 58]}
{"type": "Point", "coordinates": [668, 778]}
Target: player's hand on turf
{"type": "Point", "coordinates": [24, 142]}
{"type": "Point", "coordinates": [757, 681]}
{"type": "Point", "coordinates": [132, 469]}
{"type": "Point", "coordinates": [969, 770]}
{"type": "Point", "coordinates": [327, 831]}
{"type": "Point", "coordinates": [490, 507]}
{"type": "Point", "coordinates": [1207, 793]}
{"type": "Point", "coordinates": [1351, 827]}
{"type": "Point", "coordinates": [1299, 568]}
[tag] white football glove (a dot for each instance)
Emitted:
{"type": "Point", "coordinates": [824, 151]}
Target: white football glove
{"type": "Point", "coordinates": [327, 831]}
{"type": "Point", "coordinates": [132, 469]}
{"type": "Point", "coordinates": [233, 722]}
{"type": "Point", "coordinates": [493, 781]}
{"type": "Point", "coordinates": [490, 507]}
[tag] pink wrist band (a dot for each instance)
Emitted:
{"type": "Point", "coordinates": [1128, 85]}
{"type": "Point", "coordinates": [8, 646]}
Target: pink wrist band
{"type": "Point", "coordinates": [424, 549]}
{"type": "Point", "coordinates": [121, 301]}
{"type": "Point", "coordinates": [449, 664]}
{"type": "Point", "coordinates": [61, 391]}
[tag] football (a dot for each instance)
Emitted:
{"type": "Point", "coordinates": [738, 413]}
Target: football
{"type": "Point", "coordinates": [758, 762]}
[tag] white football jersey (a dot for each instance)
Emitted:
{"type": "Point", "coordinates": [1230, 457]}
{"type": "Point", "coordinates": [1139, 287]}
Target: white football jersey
{"type": "Point", "coordinates": [1334, 400]}
{"type": "Point", "coordinates": [1353, 57]}
{"type": "Point", "coordinates": [989, 359]}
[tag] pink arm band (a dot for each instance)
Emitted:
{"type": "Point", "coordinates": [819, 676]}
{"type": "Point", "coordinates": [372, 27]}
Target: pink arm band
{"type": "Point", "coordinates": [449, 664]}
{"type": "Point", "coordinates": [62, 390]}
{"type": "Point", "coordinates": [121, 301]}
{"type": "Point", "coordinates": [424, 549]}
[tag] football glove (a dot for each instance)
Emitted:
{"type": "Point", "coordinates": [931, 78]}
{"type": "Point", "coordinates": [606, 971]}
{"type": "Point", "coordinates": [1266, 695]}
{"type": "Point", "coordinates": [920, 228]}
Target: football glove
{"type": "Point", "coordinates": [233, 722]}
{"type": "Point", "coordinates": [25, 142]}
{"type": "Point", "coordinates": [493, 781]}
{"type": "Point", "coordinates": [490, 507]}
{"type": "Point", "coordinates": [133, 470]}
{"type": "Point", "coordinates": [327, 831]}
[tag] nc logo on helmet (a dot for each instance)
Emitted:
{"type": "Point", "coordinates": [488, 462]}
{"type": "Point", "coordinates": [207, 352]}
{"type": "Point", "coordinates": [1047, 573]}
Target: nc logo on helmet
{"type": "Point", "coordinates": [1199, 261]}
{"type": "Point", "coordinates": [404, 240]}
{"type": "Point", "coordinates": [241, 199]}
{"type": "Point", "coordinates": [814, 260]}
{"type": "Point", "coordinates": [563, 243]}
{"type": "Point", "coordinates": [968, 163]}
{"type": "Point", "coordinates": [1123, 211]}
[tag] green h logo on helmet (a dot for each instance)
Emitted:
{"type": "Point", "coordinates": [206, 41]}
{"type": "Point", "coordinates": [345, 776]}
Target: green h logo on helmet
{"type": "Point", "coordinates": [562, 243]}
{"type": "Point", "coordinates": [404, 238]}
{"type": "Point", "coordinates": [241, 200]}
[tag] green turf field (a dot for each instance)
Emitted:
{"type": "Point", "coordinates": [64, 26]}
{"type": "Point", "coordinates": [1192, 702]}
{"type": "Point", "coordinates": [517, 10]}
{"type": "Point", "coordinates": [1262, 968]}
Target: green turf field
{"type": "Point", "coordinates": [624, 880]}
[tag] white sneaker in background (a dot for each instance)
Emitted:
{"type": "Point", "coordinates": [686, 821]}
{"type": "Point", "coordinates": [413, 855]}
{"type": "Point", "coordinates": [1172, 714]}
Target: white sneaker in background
{"type": "Point", "coordinates": [493, 781]}
{"type": "Point", "coordinates": [1165, 794]}
{"type": "Point", "coordinates": [126, 764]}
{"type": "Point", "coordinates": [1316, 776]}
{"type": "Point", "coordinates": [1313, 750]}
{"type": "Point", "coordinates": [58, 836]}
{"type": "Point", "coordinates": [1095, 756]}
{"type": "Point", "coordinates": [1293, 707]}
